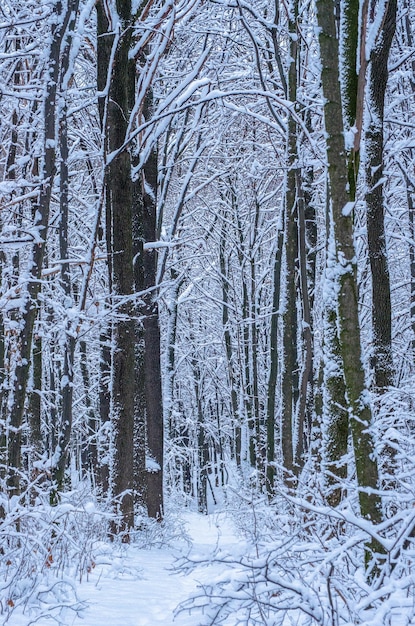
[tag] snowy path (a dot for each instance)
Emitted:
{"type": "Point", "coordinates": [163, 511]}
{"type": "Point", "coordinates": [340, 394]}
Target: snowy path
{"type": "Point", "coordinates": [131, 586]}
{"type": "Point", "coordinates": [141, 588]}
{"type": "Point", "coordinates": [153, 597]}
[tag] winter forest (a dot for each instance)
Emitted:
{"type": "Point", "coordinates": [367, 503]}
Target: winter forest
{"type": "Point", "coordinates": [207, 301]}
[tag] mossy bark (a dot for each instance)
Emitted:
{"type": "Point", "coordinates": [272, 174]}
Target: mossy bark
{"type": "Point", "coordinates": [382, 361]}
{"type": "Point", "coordinates": [345, 269]}
{"type": "Point", "coordinates": [335, 414]}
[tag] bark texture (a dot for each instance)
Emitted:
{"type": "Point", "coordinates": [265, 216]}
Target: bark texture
{"type": "Point", "coordinates": [118, 189]}
{"type": "Point", "coordinates": [381, 298]}
{"type": "Point", "coordinates": [345, 270]}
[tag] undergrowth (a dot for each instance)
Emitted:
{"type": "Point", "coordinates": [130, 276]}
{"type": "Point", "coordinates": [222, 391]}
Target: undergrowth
{"type": "Point", "coordinates": [45, 551]}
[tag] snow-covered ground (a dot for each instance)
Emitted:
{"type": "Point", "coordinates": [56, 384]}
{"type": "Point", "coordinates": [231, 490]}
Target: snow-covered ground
{"type": "Point", "coordinates": [143, 587]}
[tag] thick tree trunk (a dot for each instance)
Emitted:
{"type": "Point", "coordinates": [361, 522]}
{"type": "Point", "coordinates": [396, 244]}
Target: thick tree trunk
{"type": "Point", "coordinates": [140, 412]}
{"type": "Point", "coordinates": [104, 46]}
{"type": "Point", "coordinates": [149, 405]}
{"type": "Point", "coordinates": [114, 112]}
{"type": "Point", "coordinates": [344, 269]}
{"type": "Point", "coordinates": [381, 297]}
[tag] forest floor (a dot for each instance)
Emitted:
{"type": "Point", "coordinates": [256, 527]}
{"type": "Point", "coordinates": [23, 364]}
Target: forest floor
{"type": "Point", "coordinates": [193, 560]}
{"type": "Point", "coordinates": [133, 586]}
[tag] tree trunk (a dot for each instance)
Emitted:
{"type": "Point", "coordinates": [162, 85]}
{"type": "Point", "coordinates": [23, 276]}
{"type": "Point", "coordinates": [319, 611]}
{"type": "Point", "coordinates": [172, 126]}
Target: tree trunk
{"type": "Point", "coordinates": [41, 222]}
{"type": "Point", "coordinates": [35, 399]}
{"type": "Point", "coordinates": [152, 369]}
{"type": "Point", "coordinates": [91, 447]}
{"type": "Point", "coordinates": [273, 370]}
{"type": "Point", "coordinates": [303, 419]}
{"type": "Point", "coordinates": [381, 297]}
{"type": "Point", "coordinates": [140, 411]}
{"type": "Point", "coordinates": [289, 385]}
{"type": "Point", "coordinates": [104, 410]}
{"type": "Point", "coordinates": [344, 269]}
{"type": "Point", "coordinates": [118, 189]}
{"type": "Point", "coordinates": [228, 345]}
{"type": "Point", "coordinates": [65, 427]}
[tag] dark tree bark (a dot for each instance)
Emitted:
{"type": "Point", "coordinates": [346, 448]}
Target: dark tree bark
{"type": "Point", "coordinates": [345, 271]}
{"type": "Point", "coordinates": [290, 379]}
{"type": "Point", "coordinates": [152, 369]}
{"type": "Point", "coordinates": [246, 370]}
{"type": "Point", "coordinates": [90, 463]}
{"type": "Point", "coordinates": [202, 448]}
{"type": "Point", "coordinates": [273, 371]}
{"type": "Point", "coordinates": [381, 297]}
{"type": "Point", "coordinates": [140, 426]}
{"type": "Point", "coordinates": [306, 378]}
{"type": "Point", "coordinates": [149, 430]}
{"type": "Point", "coordinates": [118, 188]}
{"type": "Point", "coordinates": [131, 222]}
{"type": "Point", "coordinates": [104, 410]}
{"type": "Point", "coordinates": [228, 346]}
{"type": "Point", "coordinates": [35, 401]}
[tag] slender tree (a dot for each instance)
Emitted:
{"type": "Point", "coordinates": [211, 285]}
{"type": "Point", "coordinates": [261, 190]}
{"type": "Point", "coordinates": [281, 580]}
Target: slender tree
{"type": "Point", "coordinates": [290, 367]}
{"type": "Point", "coordinates": [65, 427]}
{"type": "Point", "coordinates": [59, 25]}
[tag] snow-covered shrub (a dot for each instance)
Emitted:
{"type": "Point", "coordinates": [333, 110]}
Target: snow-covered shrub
{"type": "Point", "coordinates": [44, 551]}
{"type": "Point", "coordinates": [151, 533]}
{"type": "Point", "coordinates": [311, 571]}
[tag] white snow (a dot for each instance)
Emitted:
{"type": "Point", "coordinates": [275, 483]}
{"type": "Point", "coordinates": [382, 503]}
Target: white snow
{"type": "Point", "coordinates": [132, 586]}
{"type": "Point", "coordinates": [152, 465]}
{"type": "Point", "coordinates": [202, 562]}
{"type": "Point", "coordinates": [348, 208]}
